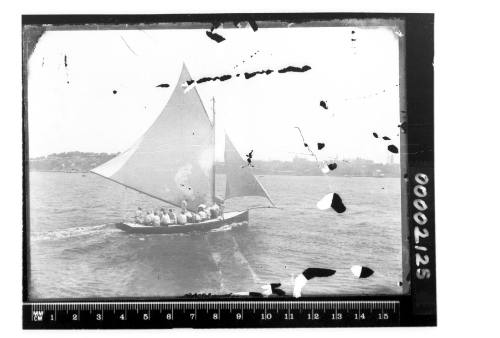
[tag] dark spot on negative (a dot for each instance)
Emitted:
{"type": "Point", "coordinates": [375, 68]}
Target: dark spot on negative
{"type": "Point", "coordinates": [375, 135]}
{"type": "Point", "coordinates": [310, 273]}
{"type": "Point", "coordinates": [252, 74]}
{"type": "Point", "coordinates": [65, 61]}
{"type": "Point", "coordinates": [278, 291]}
{"type": "Point", "coordinates": [215, 78]}
{"type": "Point", "coordinates": [306, 145]}
{"type": "Point", "coordinates": [323, 104]}
{"type": "Point", "coordinates": [204, 79]}
{"type": "Point", "coordinates": [163, 85]}
{"type": "Point", "coordinates": [254, 294]}
{"type": "Point", "coordinates": [353, 40]}
{"type": "Point", "coordinates": [366, 272]}
{"type": "Point", "coordinates": [216, 37]}
{"type": "Point", "coordinates": [114, 92]}
{"type": "Point", "coordinates": [392, 148]}
{"type": "Point", "coordinates": [294, 69]}
{"type": "Point", "coordinates": [249, 158]}
{"type": "Point", "coordinates": [337, 204]}
{"type": "Point", "coordinates": [332, 166]}
{"type": "Point", "coordinates": [320, 145]}
{"type": "Point", "coordinates": [387, 138]}
{"type": "Point", "coordinates": [352, 32]}
{"type": "Point", "coordinates": [249, 75]}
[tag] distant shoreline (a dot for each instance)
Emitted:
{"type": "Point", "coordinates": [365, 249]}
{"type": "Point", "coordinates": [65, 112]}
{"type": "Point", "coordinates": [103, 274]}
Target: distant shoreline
{"type": "Point", "coordinates": [81, 162]}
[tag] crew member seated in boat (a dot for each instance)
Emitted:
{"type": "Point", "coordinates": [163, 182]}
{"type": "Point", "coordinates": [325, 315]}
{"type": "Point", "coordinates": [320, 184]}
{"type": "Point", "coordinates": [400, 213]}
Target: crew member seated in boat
{"type": "Point", "coordinates": [139, 218]}
{"type": "Point", "coordinates": [182, 219]}
{"type": "Point", "coordinates": [207, 211]}
{"type": "Point", "coordinates": [190, 216]}
{"type": "Point", "coordinates": [156, 219]}
{"type": "Point", "coordinates": [202, 213]}
{"type": "Point", "coordinates": [148, 220]}
{"type": "Point", "coordinates": [164, 218]}
{"type": "Point", "coordinates": [221, 211]}
{"type": "Point", "coordinates": [187, 213]}
{"type": "Point", "coordinates": [214, 211]}
{"type": "Point", "coordinates": [172, 216]}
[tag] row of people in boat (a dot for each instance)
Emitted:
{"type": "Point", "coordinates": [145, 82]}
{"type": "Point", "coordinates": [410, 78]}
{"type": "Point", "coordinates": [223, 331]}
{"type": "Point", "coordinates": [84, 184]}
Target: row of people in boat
{"type": "Point", "coordinates": [166, 217]}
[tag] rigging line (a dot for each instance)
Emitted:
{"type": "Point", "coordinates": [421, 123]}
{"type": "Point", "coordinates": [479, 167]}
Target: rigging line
{"type": "Point", "coordinates": [142, 192]}
{"type": "Point", "coordinates": [126, 44]}
{"type": "Point", "coordinates": [149, 36]}
{"type": "Point", "coordinates": [166, 149]}
{"type": "Point", "coordinates": [372, 94]}
{"type": "Point", "coordinates": [317, 161]}
{"type": "Point", "coordinates": [307, 145]}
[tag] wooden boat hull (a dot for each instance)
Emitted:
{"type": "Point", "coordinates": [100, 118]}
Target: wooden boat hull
{"type": "Point", "coordinates": [230, 218]}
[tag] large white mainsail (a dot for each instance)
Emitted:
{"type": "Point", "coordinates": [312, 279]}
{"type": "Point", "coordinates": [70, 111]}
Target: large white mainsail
{"type": "Point", "coordinates": [173, 160]}
{"type": "Point", "coordinates": [240, 181]}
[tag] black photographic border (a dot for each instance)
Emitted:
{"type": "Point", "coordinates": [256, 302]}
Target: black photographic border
{"type": "Point", "coordinates": [418, 301]}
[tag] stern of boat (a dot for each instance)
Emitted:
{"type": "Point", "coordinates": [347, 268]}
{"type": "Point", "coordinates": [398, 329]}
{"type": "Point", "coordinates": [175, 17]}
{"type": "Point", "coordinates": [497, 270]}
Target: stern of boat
{"type": "Point", "coordinates": [236, 217]}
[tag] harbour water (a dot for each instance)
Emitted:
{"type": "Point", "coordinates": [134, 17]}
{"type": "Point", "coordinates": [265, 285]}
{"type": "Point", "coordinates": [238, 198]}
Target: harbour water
{"type": "Point", "coordinates": [76, 252]}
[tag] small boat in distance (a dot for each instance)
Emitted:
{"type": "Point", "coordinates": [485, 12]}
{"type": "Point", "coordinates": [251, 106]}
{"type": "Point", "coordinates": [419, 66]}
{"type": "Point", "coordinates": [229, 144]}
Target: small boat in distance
{"type": "Point", "coordinates": [174, 161]}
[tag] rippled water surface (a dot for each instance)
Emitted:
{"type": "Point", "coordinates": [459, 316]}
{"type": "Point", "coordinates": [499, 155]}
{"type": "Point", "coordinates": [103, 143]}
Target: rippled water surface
{"type": "Point", "coordinates": [75, 251]}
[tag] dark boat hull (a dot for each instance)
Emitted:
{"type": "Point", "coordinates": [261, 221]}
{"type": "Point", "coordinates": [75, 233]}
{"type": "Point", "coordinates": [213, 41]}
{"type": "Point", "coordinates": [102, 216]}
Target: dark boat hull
{"type": "Point", "coordinates": [230, 218]}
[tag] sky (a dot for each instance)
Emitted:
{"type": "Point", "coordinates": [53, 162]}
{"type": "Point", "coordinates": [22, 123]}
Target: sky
{"type": "Point", "coordinates": [73, 76]}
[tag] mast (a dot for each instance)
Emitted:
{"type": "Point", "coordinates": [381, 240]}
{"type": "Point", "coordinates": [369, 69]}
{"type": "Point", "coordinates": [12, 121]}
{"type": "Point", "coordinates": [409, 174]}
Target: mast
{"type": "Point", "coordinates": [213, 160]}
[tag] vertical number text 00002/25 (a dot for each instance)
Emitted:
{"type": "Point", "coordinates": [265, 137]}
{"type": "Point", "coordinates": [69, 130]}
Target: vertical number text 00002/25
{"type": "Point", "coordinates": [420, 231]}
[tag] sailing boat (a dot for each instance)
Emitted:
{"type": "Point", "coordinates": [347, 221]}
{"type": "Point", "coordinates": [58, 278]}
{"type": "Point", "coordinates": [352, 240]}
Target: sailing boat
{"type": "Point", "coordinates": [174, 161]}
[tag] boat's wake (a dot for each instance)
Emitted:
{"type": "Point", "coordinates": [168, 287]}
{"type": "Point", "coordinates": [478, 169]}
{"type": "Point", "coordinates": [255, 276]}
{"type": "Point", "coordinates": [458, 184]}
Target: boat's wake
{"type": "Point", "coordinates": [234, 271]}
{"type": "Point", "coordinates": [231, 226]}
{"type": "Point", "coordinates": [73, 232]}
